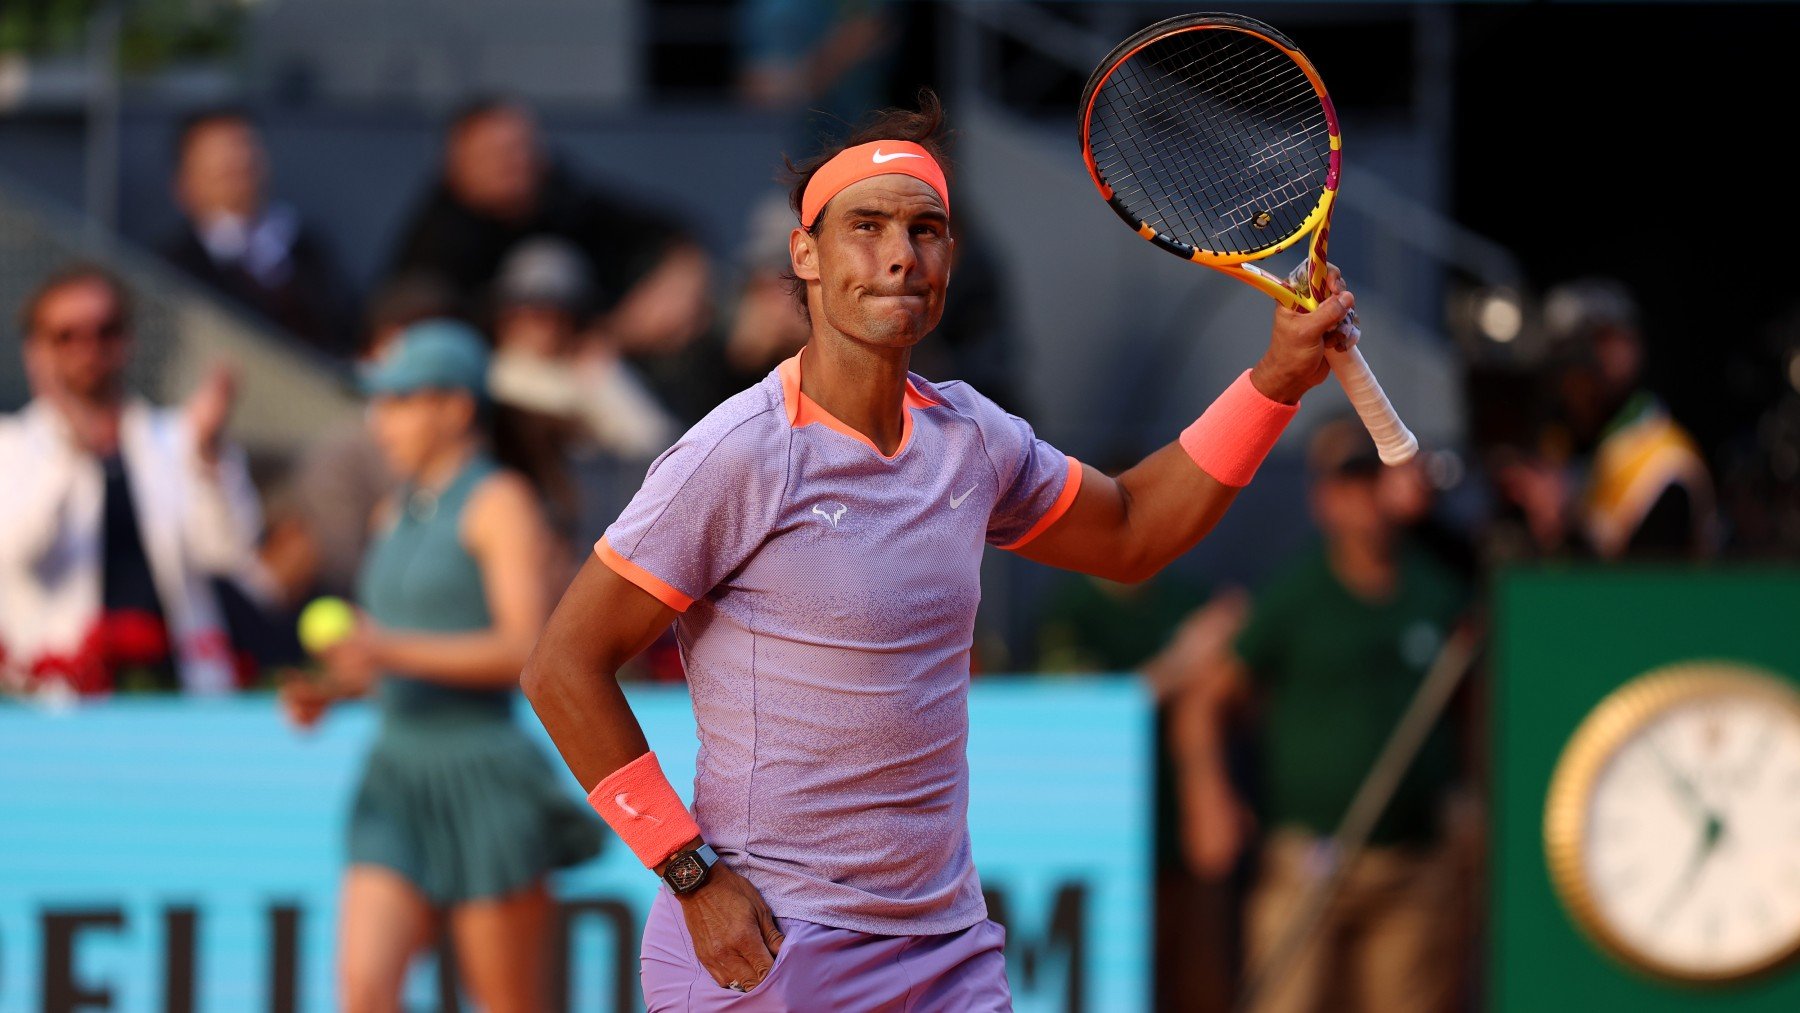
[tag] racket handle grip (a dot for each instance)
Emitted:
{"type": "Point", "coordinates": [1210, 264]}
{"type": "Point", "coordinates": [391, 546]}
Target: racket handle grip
{"type": "Point", "coordinates": [1393, 440]}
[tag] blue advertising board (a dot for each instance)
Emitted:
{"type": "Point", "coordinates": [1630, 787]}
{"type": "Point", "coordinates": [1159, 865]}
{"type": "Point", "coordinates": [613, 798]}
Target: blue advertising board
{"type": "Point", "coordinates": [178, 855]}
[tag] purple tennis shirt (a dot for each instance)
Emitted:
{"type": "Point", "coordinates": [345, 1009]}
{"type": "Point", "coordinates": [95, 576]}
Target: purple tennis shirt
{"type": "Point", "coordinates": [827, 597]}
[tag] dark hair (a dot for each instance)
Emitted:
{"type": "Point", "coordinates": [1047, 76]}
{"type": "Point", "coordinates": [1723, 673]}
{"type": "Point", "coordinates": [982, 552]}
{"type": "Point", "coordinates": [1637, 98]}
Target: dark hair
{"type": "Point", "coordinates": [407, 298]}
{"type": "Point", "coordinates": [536, 445]}
{"type": "Point", "coordinates": [193, 123]}
{"type": "Point", "coordinates": [467, 113]}
{"type": "Point", "coordinates": [76, 273]}
{"type": "Point", "coordinates": [923, 126]}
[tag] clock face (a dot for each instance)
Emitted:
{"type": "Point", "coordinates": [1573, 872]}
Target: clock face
{"type": "Point", "coordinates": [1673, 823]}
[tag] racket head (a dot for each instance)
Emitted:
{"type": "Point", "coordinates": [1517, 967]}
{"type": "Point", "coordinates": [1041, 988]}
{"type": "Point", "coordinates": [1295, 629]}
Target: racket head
{"type": "Point", "coordinates": [1212, 136]}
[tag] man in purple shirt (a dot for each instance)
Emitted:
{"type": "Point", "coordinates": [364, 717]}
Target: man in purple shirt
{"type": "Point", "coordinates": [817, 539]}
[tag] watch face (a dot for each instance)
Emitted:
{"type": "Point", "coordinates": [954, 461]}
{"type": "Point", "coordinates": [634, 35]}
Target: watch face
{"type": "Point", "coordinates": [684, 872]}
{"type": "Point", "coordinates": [1673, 823]}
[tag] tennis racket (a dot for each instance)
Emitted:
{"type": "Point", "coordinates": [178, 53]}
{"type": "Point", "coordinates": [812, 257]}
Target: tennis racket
{"type": "Point", "coordinates": [1211, 135]}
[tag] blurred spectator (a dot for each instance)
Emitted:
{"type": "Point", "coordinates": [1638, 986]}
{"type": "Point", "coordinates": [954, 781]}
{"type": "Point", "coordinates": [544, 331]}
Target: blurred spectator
{"type": "Point", "coordinates": [828, 56]}
{"type": "Point", "coordinates": [764, 325]}
{"type": "Point", "coordinates": [1410, 494]}
{"type": "Point", "coordinates": [320, 527]}
{"type": "Point", "coordinates": [246, 246]}
{"type": "Point", "coordinates": [560, 387]}
{"type": "Point", "coordinates": [550, 357]}
{"type": "Point", "coordinates": [499, 187]}
{"type": "Point", "coordinates": [118, 514]}
{"type": "Point", "coordinates": [1618, 477]}
{"type": "Point", "coordinates": [1334, 648]}
{"type": "Point", "coordinates": [1760, 474]}
{"type": "Point", "coordinates": [1094, 625]}
{"type": "Point", "coordinates": [767, 324]}
{"type": "Point", "coordinates": [974, 340]}
{"type": "Point", "coordinates": [457, 819]}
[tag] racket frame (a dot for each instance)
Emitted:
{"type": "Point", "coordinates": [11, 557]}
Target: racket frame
{"type": "Point", "coordinates": [1395, 442]}
{"type": "Point", "coordinates": [1239, 265]}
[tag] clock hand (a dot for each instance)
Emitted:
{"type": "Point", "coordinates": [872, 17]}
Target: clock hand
{"type": "Point", "coordinates": [1709, 842]}
{"type": "Point", "coordinates": [1684, 787]}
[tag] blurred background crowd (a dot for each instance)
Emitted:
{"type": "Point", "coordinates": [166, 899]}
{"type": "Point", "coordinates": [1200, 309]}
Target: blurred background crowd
{"type": "Point", "coordinates": [213, 214]}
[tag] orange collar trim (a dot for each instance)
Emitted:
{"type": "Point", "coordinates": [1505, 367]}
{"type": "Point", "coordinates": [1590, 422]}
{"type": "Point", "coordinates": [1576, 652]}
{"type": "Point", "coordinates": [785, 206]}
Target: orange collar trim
{"type": "Point", "coordinates": [804, 411]}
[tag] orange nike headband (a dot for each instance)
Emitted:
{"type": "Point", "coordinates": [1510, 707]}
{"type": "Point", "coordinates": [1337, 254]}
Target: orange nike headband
{"type": "Point", "coordinates": [876, 158]}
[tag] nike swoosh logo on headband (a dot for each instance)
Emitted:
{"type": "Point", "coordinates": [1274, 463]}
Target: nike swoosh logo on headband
{"type": "Point", "coordinates": [880, 158]}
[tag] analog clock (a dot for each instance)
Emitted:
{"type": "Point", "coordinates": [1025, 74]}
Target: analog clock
{"type": "Point", "coordinates": [1672, 826]}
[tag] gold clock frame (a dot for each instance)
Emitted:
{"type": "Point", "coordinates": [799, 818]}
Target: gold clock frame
{"type": "Point", "coordinates": [1606, 728]}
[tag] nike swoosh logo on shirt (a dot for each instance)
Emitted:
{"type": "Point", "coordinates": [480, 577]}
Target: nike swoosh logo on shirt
{"type": "Point", "coordinates": [880, 158]}
{"type": "Point", "coordinates": [956, 501]}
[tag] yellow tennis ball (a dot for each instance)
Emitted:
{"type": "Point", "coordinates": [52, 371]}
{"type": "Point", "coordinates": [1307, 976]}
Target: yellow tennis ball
{"type": "Point", "coordinates": [324, 623]}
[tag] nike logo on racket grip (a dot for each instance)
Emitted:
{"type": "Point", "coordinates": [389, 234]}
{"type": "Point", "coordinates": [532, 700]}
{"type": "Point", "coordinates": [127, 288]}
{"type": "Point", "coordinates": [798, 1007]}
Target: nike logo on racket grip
{"type": "Point", "coordinates": [879, 158]}
{"type": "Point", "coordinates": [956, 501]}
{"type": "Point", "coordinates": [619, 800]}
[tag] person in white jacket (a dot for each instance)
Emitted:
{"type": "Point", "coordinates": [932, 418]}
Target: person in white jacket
{"type": "Point", "coordinates": [111, 506]}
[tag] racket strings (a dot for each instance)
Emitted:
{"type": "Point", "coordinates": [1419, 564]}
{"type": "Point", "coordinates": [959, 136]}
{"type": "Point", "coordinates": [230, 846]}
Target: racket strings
{"type": "Point", "coordinates": [1194, 118]}
{"type": "Point", "coordinates": [1216, 138]}
{"type": "Point", "coordinates": [1241, 70]}
{"type": "Point", "coordinates": [1242, 79]}
{"type": "Point", "coordinates": [1216, 164]}
{"type": "Point", "coordinates": [1183, 109]}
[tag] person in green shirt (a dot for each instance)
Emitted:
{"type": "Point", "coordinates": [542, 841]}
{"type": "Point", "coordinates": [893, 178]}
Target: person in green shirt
{"type": "Point", "coordinates": [1333, 649]}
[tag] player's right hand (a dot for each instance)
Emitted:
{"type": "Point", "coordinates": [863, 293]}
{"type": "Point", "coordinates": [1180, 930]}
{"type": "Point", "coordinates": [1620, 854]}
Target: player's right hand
{"type": "Point", "coordinates": [734, 932]}
{"type": "Point", "coordinates": [1295, 361]}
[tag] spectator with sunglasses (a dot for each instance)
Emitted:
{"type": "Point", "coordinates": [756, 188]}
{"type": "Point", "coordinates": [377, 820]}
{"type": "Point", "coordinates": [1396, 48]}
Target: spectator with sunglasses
{"type": "Point", "coordinates": [118, 514]}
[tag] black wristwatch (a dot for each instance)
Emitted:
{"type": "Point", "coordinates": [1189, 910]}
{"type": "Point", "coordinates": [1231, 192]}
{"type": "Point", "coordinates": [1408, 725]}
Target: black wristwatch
{"type": "Point", "coordinates": [687, 871]}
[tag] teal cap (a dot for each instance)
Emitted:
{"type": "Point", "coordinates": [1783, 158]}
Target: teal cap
{"type": "Point", "coordinates": [430, 355]}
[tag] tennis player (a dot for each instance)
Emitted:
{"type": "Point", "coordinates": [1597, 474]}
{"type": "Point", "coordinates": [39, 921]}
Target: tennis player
{"type": "Point", "coordinates": [817, 540]}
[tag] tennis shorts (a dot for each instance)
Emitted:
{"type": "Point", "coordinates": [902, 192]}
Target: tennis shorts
{"type": "Point", "coordinates": [821, 969]}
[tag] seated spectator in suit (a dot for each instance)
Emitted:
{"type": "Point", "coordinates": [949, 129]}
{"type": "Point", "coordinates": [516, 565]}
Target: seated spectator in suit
{"type": "Point", "coordinates": [252, 249]}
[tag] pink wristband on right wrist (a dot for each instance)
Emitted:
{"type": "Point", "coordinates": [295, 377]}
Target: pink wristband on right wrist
{"type": "Point", "coordinates": [641, 806]}
{"type": "Point", "coordinates": [1231, 438]}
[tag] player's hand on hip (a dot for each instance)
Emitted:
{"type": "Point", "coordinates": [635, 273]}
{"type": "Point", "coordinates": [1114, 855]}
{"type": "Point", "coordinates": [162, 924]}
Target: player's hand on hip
{"type": "Point", "coordinates": [734, 932]}
{"type": "Point", "coordinates": [1295, 362]}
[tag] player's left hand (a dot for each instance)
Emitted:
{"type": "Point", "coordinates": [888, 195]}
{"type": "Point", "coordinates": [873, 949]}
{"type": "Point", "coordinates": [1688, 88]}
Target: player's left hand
{"type": "Point", "coordinates": [1295, 362]}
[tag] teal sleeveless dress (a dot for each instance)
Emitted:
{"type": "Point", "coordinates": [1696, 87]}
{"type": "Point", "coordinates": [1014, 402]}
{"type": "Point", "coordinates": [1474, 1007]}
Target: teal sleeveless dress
{"type": "Point", "coordinates": [455, 797]}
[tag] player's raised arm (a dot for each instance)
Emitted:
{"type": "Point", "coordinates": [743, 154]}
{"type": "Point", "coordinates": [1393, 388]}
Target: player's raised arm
{"type": "Point", "coordinates": [1129, 527]}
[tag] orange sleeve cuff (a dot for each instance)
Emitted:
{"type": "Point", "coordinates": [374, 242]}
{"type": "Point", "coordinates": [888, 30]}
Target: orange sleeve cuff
{"type": "Point", "coordinates": [1071, 486]}
{"type": "Point", "coordinates": [658, 588]}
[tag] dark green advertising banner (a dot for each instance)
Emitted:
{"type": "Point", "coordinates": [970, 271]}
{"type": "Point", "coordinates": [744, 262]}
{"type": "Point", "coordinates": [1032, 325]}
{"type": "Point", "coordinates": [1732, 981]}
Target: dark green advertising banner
{"type": "Point", "coordinates": [1648, 719]}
